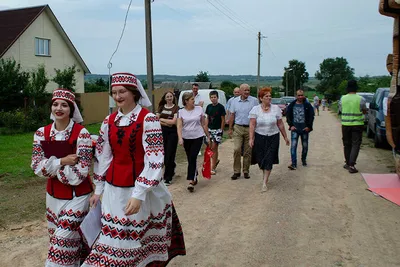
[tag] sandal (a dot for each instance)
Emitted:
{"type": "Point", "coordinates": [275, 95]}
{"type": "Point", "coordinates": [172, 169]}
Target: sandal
{"type": "Point", "coordinates": [213, 172]}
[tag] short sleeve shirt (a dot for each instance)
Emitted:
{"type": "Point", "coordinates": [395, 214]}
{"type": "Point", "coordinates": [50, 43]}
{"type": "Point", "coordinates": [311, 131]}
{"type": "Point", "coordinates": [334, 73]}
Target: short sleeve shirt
{"type": "Point", "coordinates": [266, 122]}
{"type": "Point", "coordinates": [191, 122]}
{"type": "Point", "coordinates": [215, 114]}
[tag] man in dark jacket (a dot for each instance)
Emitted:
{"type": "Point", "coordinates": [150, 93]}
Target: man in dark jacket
{"type": "Point", "coordinates": [300, 117]}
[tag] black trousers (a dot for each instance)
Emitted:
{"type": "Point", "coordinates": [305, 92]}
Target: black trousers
{"type": "Point", "coordinates": [170, 137]}
{"type": "Point", "coordinates": [192, 149]}
{"type": "Point", "coordinates": [352, 137]}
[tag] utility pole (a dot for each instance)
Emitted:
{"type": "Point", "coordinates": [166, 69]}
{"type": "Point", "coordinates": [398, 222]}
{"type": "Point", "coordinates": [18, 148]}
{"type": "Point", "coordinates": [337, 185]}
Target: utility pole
{"type": "Point", "coordinates": [259, 60]}
{"type": "Point", "coordinates": [149, 52]}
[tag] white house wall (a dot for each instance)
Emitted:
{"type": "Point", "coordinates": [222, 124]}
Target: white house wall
{"type": "Point", "coordinates": [23, 51]}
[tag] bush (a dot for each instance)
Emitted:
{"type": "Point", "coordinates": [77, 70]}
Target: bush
{"type": "Point", "coordinates": [13, 120]}
{"type": "Point", "coordinates": [18, 121]}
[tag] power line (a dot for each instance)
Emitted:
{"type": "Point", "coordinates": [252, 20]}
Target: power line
{"type": "Point", "coordinates": [228, 16]}
{"type": "Point", "coordinates": [122, 35]}
{"type": "Point", "coordinates": [234, 14]}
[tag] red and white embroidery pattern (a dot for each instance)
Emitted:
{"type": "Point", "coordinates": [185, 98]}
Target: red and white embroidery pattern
{"type": "Point", "coordinates": [64, 94]}
{"type": "Point", "coordinates": [123, 79]}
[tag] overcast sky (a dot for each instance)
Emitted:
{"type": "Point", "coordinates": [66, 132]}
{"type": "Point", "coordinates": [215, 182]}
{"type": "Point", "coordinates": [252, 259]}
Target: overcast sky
{"type": "Point", "coordinates": [193, 35]}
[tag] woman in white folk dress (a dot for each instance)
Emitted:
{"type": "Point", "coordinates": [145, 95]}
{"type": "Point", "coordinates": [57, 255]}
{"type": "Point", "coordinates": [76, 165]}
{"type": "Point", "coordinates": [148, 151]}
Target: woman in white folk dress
{"type": "Point", "coordinates": [62, 153]}
{"type": "Point", "coordinates": [139, 223]}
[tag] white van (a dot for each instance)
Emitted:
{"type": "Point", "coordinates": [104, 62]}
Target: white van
{"type": "Point", "coordinates": [205, 96]}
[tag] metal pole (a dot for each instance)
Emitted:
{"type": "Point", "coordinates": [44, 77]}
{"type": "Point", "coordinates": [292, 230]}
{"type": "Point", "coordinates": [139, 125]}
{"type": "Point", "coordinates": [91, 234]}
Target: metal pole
{"type": "Point", "coordinates": [287, 82]}
{"type": "Point", "coordinates": [258, 66]}
{"type": "Point", "coordinates": [294, 82]}
{"type": "Point", "coordinates": [149, 51]}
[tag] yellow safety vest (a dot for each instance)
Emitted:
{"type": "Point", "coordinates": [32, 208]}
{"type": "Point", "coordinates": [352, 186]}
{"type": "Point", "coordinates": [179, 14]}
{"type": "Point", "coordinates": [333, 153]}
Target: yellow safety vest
{"type": "Point", "coordinates": [351, 113]}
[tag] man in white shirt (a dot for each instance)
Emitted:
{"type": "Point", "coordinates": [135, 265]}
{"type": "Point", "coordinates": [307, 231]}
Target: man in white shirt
{"type": "Point", "coordinates": [198, 101]}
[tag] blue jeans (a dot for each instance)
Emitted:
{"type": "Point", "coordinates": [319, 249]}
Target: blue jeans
{"type": "Point", "coordinates": [293, 147]}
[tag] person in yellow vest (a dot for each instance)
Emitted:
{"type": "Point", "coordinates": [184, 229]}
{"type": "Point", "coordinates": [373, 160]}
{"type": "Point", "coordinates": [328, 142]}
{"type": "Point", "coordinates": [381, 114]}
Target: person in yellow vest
{"type": "Point", "coordinates": [353, 110]}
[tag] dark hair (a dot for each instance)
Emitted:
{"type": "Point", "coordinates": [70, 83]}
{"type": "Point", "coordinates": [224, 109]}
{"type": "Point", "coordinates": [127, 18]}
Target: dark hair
{"type": "Point", "coordinates": [70, 105]}
{"type": "Point", "coordinates": [195, 84]}
{"type": "Point", "coordinates": [352, 86]}
{"type": "Point", "coordinates": [163, 101]}
{"type": "Point", "coordinates": [185, 97]}
{"type": "Point", "coordinates": [213, 92]}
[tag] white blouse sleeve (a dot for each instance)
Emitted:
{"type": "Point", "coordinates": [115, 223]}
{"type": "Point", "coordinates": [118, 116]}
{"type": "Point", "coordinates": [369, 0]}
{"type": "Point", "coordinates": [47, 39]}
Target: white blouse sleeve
{"type": "Point", "coordinates": [41, 166]}
{"type": "Point", "coordinates": [103, 158]}
{"type": "Point", "coordinates": [76, 174]}
{"type": "Point", "coordinates": [253, 113]}
{"type": "Point", "coordinates": [152, 141]}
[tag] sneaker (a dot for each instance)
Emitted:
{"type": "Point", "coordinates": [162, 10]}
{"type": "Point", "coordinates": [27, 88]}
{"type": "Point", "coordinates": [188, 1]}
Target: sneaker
{"type": "Point", "coordinates": [246, 176]}
{"type": "Point", "coordinates": [304, 163]}
{"type": "Point", "coordinates": [345, 166]}
{"type": "Point", "coordinates": [213, 172]}
{"type": "Point", "coordinates": [352, 169]}
{"type": "Point", "coordinates": [190, 188]}
{"type": "Point", "coordinates": [292, 167]}
{"type": "Point", "coordinates": [167, 183]}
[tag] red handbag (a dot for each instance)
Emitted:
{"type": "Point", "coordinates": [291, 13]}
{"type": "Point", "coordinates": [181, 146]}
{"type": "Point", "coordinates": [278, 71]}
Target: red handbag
{"type": "Point", "coordinates": [206, 171]}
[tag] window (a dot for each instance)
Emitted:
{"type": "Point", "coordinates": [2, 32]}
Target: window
{"type": "Point", "coordinates": [42, 47]}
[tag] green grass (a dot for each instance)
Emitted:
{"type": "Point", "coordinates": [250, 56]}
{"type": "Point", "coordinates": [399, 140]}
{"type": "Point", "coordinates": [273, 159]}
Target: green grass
{"type": "Point", "coordinates": [15, 155]}
{"type": "Point", "coordinates": [93, 128]}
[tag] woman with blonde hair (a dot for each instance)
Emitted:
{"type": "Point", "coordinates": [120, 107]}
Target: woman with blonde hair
{"type": "Point", "coordinates": [265, 125]}
{"type": "Point", "coordinates": [192, 127]}
{"type": "Point", "coordinates": [167, 113]}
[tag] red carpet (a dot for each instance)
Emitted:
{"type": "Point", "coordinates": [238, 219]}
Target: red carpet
{"type": "Point", "coordinates": [385, 185]}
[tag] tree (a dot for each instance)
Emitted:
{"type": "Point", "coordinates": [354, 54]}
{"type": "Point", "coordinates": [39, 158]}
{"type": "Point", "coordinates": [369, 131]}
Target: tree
{"type": "Point", "coordinates": [13, 83]}
{"type": "Point", "coordinates": [296, 74]}
{"type": "Point", "coordinates": [227, 87]}
{"type": "Point", "coordinates": [332, 72]}
{"type": "Point", "coordinates": [66, 78]}
{"type": "Point", "coordinates": [202, 76]}
{"type": "Point", "coordinates": [100, 85]}
{"type": "Point", "coordinates": [36, 89]}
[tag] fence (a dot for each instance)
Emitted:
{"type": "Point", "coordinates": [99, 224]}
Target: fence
{"type": "Point", "coordinates": [95, 106]}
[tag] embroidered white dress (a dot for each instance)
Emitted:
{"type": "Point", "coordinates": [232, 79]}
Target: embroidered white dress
{"type": "Point", "coordinates": [145, 237]}
{"type": "Point", "coordinates": [64, 216]}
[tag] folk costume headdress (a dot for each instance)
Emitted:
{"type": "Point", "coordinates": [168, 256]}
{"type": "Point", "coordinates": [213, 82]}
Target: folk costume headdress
{"type": "Point", "coordinates": [128, 79]}
{"type": "Point", "coordinates": [67, 95]}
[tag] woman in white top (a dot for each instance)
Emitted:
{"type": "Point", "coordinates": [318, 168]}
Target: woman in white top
{"type": "Point", "coordinates": [192, 127]}
{"type": "Point", "coordinates": [265, 125]}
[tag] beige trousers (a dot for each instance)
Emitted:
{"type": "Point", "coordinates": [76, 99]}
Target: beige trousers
{"type": "Point", "coordinates": [241, 136]}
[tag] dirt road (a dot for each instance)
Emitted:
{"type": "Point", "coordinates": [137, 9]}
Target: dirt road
{"type": "Point", "coordinates": [315, 216]}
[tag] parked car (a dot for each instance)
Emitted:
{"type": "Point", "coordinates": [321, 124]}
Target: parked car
{"type": "Point", "coordinates": [281, 103]}
{"type": "Point", "coordinates": [376, 117]}
{"type": "Point", "coordinates": [205, 95]}
{"type": "Point", "coordinates": [288, 99]}
{"type": "Point", "coordinates": [368, 98]}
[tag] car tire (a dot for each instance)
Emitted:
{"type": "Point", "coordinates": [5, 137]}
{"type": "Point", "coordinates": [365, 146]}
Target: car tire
{"type": "Point", "coordinates": [370, 134]}
{"type": "Point", "coordinates": [377, 142]}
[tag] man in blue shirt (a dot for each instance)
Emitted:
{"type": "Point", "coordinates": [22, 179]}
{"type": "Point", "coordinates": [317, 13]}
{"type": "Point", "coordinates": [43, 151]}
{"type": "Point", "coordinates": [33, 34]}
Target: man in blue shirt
{"type": "Point", "coordinates": [239, 115]}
